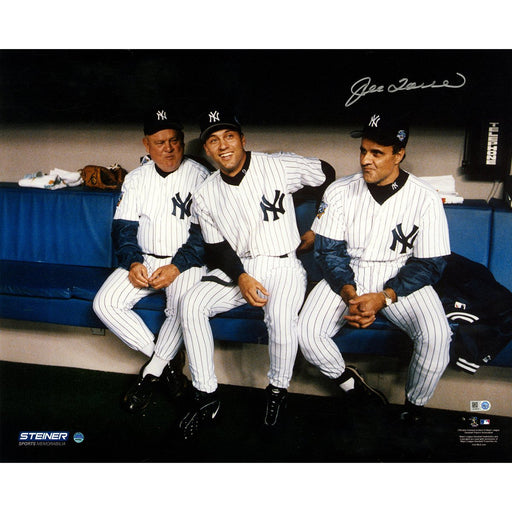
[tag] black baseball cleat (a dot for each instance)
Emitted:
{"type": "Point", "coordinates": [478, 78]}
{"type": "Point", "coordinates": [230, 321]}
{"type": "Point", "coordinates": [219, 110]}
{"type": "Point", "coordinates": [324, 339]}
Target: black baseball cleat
{"type": "Point", "coordinates": [412, 415]}
{"type": "Point", "coordinates": [276, 403]}
{"type": "Point", "coordinates": [139, 395]}
{"type": "Point", "coordinates": [172, 378]}
{"type": "Point", "coordinates": [362, 388]}
{"type": "Point", "coordinates": [203, 409]}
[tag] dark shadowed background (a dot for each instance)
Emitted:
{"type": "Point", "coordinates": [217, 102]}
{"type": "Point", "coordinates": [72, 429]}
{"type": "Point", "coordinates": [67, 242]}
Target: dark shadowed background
{"type": "Point", "coordinates": [265, 86]}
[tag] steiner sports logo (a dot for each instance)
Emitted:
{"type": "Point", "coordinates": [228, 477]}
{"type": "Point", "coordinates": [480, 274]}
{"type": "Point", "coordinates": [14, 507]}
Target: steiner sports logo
{"type": "Point", "coordinates": [42, 438]}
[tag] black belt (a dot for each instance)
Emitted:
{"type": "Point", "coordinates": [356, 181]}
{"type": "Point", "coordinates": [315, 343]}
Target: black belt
{"type": "Point", "coordinates": [156, 256]}
{"type": "Point", "coordinates": [164, 257]}
{"type": "Point", "coordinates": [282, 256]}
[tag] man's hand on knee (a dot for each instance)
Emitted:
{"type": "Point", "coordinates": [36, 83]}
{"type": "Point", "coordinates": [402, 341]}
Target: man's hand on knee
{"type": "Point", "coordinates": [252, 290]}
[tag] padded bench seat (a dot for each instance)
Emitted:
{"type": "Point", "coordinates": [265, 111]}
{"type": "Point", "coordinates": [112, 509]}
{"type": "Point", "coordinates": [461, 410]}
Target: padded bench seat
{"type": "Point", "coordinates": [56, 251]}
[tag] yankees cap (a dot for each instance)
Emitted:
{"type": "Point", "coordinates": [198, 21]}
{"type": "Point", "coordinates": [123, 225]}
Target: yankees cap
{"type": "Point", "coordinates": [385, 129]}
{"type": "Point", "coordinates": [160, 118]}
{"type": "Point", "coordinates": [217, 119]}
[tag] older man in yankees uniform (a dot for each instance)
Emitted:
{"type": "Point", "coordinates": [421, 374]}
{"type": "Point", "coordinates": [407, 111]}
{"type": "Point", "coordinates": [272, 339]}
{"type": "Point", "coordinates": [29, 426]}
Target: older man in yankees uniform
{"type": "Point", "coordinates": [247, 218]}
{"type": "Point", "coordinates": [159, 247]}
{"type": "Point", "coordinates": [380, 238]}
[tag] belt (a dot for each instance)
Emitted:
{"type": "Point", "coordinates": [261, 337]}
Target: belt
{"type": "Point", "coordinates": [164, 257]}
{"type": "Point", "coordinates": [248, 255]}
{"type": "Point", "coordinates": [156, 256]}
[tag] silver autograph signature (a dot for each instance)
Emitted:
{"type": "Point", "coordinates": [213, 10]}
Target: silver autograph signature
{"type": "Point", "coordinates": [364, 86]}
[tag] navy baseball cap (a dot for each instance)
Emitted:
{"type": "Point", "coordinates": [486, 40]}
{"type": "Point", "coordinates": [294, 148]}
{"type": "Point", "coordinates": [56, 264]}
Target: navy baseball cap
{"type": "Point", "coordinates": [217, 119]}
{"type": "Point", "coordinates": [385, 129]}
{"type": "Point", "coordinates": [160, 118]}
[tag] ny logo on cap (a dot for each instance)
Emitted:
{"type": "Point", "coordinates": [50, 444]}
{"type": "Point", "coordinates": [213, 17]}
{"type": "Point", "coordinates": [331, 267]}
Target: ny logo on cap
{"type": "Point", "coordinates": [374, 121]}
{"type": "Point", "coordinates": [214, 116]}
{"type": "Point", "coordinates": [161, 115]}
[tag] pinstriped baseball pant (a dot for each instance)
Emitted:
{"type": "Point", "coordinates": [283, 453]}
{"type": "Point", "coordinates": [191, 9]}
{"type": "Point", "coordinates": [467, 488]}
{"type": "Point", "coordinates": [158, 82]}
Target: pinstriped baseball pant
{"type": "Point", "coordinates": [420, 315]}
{"type": "Point", "coordinates": [284, 279]}
{"type": "Point", "coordinates": [114, 302]}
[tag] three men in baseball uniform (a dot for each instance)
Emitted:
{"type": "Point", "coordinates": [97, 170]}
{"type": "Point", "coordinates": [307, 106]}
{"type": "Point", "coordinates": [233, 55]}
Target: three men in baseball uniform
{"type": "Point", "coordinates": [380, 236]}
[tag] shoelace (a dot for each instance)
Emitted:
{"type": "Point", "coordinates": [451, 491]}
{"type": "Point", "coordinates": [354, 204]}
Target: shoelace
{"type": "Point", "coordinates": [276, 398]}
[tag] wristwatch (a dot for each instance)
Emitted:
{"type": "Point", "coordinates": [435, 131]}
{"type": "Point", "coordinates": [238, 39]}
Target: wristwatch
{"type": "Point", "coordinates": [388, 299]}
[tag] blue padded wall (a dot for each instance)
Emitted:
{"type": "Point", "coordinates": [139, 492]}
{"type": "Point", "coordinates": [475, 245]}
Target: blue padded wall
{"type": "Point", "coordinates": [470, 229]}
{"type": "Point", "coordinates": [500, 263]}
{"type": "Point", "coordinates": [66, 226]}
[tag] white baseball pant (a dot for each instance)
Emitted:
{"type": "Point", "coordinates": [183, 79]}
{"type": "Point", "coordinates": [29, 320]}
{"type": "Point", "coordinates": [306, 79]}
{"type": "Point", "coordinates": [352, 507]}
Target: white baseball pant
{"type": "Point", "coordinates": [114, 302]}
{"type": "Point", "coordinates": [284, 279]}
{"type": "Point", "coordinates": [420, 315]}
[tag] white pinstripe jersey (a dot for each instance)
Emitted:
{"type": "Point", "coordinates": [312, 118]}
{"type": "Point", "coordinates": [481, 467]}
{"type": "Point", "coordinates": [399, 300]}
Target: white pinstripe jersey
{"type": "Point", "coordinates": [162, 206]}
{"type": "Point", "coordinates": [257, 217]}
{"type": "Point", "coordinates": [380, 238]}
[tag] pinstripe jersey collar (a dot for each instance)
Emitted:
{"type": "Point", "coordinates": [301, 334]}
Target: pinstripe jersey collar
{"type": "Point", "coordinates": [163, 173]}
{"type": "Point", "coordinates": [237, 179]}
{"type": "Point", "coordinates": [382, 194]}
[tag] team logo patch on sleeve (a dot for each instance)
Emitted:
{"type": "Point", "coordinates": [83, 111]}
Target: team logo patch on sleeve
{"type": "Point", "coordinates": [321, 209]}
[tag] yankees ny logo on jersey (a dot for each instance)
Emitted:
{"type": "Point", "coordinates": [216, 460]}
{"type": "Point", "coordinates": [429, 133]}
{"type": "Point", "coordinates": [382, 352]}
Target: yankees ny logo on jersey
{"type": "Point", "coordinates": [184, 206]}
{"type": "Point", "coordinates": [407, 241]}
{"type": "Point", "coordinates": [275, 207]}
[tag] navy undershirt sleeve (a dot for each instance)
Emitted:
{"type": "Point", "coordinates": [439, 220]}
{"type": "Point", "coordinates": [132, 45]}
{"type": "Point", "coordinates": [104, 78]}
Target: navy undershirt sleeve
{"type": "Point", "coordinates": [192, 252]}
{"type": "Point", "coordinates": [333, 259]}
{"type": "Point", "coordinates": [415, 274]}
{"type": "Point", "coordinates": [126, 247]}
{"type": "Point", "coordinates": [222, 256]}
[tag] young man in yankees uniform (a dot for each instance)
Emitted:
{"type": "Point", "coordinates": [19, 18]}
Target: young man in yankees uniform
{"type": "Point", "coordinates": [381, 235]}
{"type": "Point", "coordinates": [247, 219]}
{"type": "Point", "coordinates": [159, 247]}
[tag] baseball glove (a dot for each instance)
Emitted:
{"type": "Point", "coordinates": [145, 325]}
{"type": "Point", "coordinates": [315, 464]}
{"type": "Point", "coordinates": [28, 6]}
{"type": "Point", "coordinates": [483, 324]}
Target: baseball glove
{"type": "Point", "coordinates": [96, 176]}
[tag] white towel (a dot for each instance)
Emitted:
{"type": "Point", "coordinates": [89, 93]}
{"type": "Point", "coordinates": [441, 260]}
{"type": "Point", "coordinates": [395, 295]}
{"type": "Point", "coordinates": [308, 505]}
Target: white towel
{"type": "Point", "coordinates": [55, 179]}
{"type": "Point", "coordinates": [445, 186]}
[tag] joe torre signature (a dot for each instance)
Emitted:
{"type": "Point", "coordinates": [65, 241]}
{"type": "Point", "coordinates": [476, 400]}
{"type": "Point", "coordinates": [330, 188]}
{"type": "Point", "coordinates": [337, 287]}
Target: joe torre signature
{"type": "Point", "coordinates": [364, 86]}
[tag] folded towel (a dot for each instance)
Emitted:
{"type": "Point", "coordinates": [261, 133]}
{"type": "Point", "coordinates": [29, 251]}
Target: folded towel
{"type": "Point", "coordinates": [55, 179]}
{"type": "Point", "coordinates": [445, 186]}
{"type": "Point", "coordinates": [41, 180]}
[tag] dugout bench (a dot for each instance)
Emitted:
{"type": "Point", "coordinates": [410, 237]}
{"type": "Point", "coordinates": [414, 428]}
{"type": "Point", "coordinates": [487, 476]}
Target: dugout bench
{"type": "Point", "coordinates": [56, 251]}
